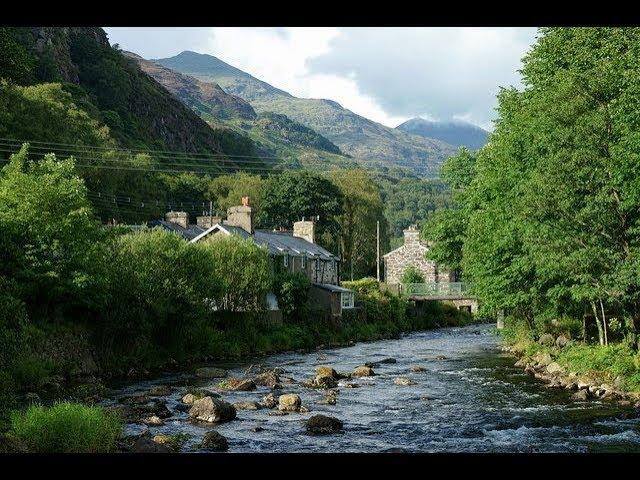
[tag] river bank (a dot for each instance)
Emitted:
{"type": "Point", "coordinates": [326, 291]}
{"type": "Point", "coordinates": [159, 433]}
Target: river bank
{"type": "Point", "coordinates": [566, 364]}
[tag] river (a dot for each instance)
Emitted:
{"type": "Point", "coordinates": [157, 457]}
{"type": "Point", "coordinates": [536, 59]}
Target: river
{"type": "Point", "coordinates": [470, 399]}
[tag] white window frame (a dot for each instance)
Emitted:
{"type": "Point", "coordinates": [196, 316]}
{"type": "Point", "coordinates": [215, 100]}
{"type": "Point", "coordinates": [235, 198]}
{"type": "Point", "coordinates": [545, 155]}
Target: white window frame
{"type": "Point", "coordinates": [348, 296]}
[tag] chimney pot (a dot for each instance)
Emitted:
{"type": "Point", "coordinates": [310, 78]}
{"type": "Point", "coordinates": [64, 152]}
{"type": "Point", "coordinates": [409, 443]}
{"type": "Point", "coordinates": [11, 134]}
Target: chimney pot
{"type": "Point", "coordinates": [179, 218]}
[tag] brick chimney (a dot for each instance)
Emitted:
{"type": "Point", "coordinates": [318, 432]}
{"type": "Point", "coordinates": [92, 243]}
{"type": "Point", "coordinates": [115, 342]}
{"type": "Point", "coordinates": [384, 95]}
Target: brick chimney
{"type": "Point", "coordinates": [207, 221]}
{"type": "Point", "coordinates": [305, 229]}
{"type": "Point", "coordinates": [179, 218]}
{"type": "Point", "coordinates": [411, 235]}
{"type": "Point", "coordinates": [241, 216]}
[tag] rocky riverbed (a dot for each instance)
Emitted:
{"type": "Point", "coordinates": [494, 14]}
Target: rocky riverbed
{"type": "Point", "coordinates": [448, 390]}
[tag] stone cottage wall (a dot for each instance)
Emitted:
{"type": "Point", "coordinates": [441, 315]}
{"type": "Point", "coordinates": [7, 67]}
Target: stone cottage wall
{"type": "Point", "coordinates": [412, 254]}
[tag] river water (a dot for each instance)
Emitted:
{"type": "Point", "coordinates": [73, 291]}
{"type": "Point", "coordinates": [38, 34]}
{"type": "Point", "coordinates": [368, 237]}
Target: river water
{"type": "Point", "coordinates": [470, 399]}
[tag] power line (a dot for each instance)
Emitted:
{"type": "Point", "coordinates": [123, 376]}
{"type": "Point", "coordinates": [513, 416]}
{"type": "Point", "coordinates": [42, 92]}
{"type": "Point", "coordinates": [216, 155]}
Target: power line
{"type": "Point", "coordinates": [172, 155]}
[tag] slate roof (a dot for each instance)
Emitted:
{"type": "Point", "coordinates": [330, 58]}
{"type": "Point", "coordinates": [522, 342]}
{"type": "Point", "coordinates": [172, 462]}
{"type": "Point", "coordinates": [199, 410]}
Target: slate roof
{"type": "Point", "coordinates": [277, 243]}
{"type": "Point", "coordinates": [188, 233]}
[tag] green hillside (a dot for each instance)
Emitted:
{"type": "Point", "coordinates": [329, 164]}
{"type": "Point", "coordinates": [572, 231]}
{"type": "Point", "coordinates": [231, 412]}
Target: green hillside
{"type": "Point", "coordinates": [355, 135]}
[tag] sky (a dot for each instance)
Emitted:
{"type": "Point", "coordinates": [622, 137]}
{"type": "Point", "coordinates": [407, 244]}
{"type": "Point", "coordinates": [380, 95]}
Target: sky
{"type": "Point", "coordinates": [386, 74]}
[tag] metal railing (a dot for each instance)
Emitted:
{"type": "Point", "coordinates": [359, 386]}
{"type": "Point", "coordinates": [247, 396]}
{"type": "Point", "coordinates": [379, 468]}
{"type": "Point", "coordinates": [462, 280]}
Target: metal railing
{"type": "Point", "coordinates": [434, 289]}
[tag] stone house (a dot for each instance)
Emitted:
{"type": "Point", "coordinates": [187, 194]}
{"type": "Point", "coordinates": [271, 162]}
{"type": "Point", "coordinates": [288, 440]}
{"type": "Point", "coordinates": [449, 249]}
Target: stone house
{"type": "Point", "coordinates": [412, 253]}
{"type": "Point", "coordinates": [293, 251]}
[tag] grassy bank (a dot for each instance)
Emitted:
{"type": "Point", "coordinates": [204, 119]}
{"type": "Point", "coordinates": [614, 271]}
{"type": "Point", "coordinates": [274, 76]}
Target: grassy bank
{"type": "Point", "coordinates": [615, 364]}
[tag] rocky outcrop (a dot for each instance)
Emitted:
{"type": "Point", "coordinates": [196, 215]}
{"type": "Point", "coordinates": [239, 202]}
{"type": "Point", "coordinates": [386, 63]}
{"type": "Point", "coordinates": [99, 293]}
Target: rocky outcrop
{"type": "Point", "coordinates": [363, 371]}
{"type": "Point", "coordinates": [402, 381]}
{"type": "Point", "coordinates": [145, 444]}
{"type": "Point", "coordinates": [289, 402]}
{"type": "Point", "coordinates": [323, 424]}
{"type": "Point", "coordinates": [214, 441]}
{"type": "Point", "coordinates": [212, 410]}
{"type": "Point", "coordinates": [207, 98]}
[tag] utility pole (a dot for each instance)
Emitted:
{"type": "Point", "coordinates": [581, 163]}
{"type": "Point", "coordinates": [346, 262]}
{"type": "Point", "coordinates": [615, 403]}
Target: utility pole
{"type": "Point", "coordinates": [378, 250]}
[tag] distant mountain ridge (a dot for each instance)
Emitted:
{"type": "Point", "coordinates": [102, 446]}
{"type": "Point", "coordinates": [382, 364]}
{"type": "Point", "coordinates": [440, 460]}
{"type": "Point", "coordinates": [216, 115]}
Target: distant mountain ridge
{"type": "Point", "coordinates": [221, 109]}
{"type": "Point", "coordinates": [355, 135]}
{"type": "Point", "coordinates": [457, 133]}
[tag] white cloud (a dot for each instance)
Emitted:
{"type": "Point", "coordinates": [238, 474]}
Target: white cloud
{"type": "Point", "coordinates": [386, 74]}
{"type": "Point", "coordinates": [279, 56]}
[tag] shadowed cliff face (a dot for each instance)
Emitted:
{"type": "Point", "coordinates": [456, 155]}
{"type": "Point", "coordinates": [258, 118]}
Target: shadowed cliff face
{"type": "Point", "coordinates": [206, 98]}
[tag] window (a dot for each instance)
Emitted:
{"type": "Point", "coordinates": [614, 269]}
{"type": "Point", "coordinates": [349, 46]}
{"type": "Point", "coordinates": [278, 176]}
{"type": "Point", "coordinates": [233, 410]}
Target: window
{"type": "Point", "coordinates": [347, 300]}
{"type": "Point", "coordinates": [286, 260]}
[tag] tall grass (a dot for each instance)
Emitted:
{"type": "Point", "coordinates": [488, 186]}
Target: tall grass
{"type": "Point", "coordinates": [66, 428]}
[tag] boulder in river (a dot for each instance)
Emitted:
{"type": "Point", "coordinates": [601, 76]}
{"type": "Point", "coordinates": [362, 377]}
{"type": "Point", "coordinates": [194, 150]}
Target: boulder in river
{"type": "Point", "coordinates": [159, 391]}
{"type": "Point", "coordinates": [145, 445]}
{"type": "Point", "coordinates": [247, 406]}
{"type": "Point", "coordinates": [289, 402]}
{"type": "Point", "coordinates": [417, 368]}
{"type": "Point", "coordinates": [325, 382]}
{"type": "Point", "coordinates": [268, 379]}
{"type": "Point", "coordinates": [211, 372]}
{"type": "Point", "coordinates": [240, 385]}
{"type": "Point", "coordinates": [209, 409]}
{"type": "Point", "coordinates": [581, 395]}
{"type": "Point", "coordinates": [323, 424]}
{"type": "Point", "coordinates": [324, 371]}
{"type": "Point", "coordinates": [269, 401]}
{"type": "Point", "coordinates": [554, 368]}
{"type": "Point", "coordinates": [402, 381]}
{"type": "Point", "coordinates": [153, 421]}
{"type": "Point", "coordinates": [363, 371]}
{"type": "Point", "coordinates": [214, 441]}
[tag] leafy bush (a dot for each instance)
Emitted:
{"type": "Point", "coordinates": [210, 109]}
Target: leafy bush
{"type": "Point", "coordinates": [66, 428]}
{"type": "Point", "coordinates": [292, 290]}
{"type": "Point", "coordinates": [158, 287]}
{"type": "Point", "coordinates": [412, 275]}
{"type": "Point", "coordinates": [366, 285]}
{"type": "Point", "coordinates": [242, 268]}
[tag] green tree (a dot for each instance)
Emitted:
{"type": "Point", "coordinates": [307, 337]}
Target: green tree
{"type": "Point", "coordinates": [554, 204]}
{"type": "Point", "coordinates": [54, 245]}
{"type": "Point", "coordinates": [16, 62]}
{"type": "Point", "coordinates": [362, 208]}
{"type": "Point", "coordinates": [243, 269]}
{"type": "Point", "coordinates": [292, 195]}
{"type": "Point", "coordinates": [227, 191]}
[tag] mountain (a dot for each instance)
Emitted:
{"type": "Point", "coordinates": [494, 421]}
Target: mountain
{"type": "Point", "coordinates": [206, 98]}
{"type": "Point", "coordinates": [114, 90]}
{"type": "Point", "coordinates": [357, 136]}
{"type": "Point", "coordinates": [456, 133]}
{"type": "Point", "coordinates": [294, 132]}
{"type": "Point", "coordinates": [273, 133]}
